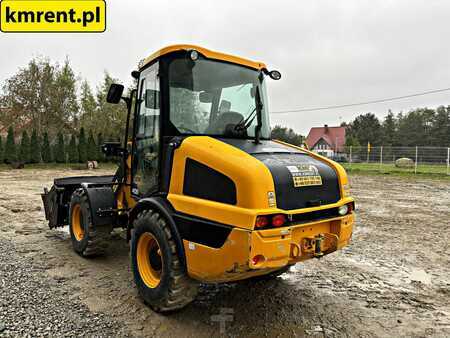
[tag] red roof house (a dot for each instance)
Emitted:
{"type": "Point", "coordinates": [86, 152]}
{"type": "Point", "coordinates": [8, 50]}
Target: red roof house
{"type": "Point", "coordinates": [326, 140]}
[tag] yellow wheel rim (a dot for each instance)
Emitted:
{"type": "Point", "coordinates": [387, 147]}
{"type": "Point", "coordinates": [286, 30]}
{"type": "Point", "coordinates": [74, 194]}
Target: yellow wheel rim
{"type": "Point", "coordinates": [149, 260]}
{"type": "Point", "coordinates": [77, 227]}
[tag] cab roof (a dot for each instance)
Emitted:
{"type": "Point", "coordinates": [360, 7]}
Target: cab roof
{"type": "Point", "coordinates": [206, 52]}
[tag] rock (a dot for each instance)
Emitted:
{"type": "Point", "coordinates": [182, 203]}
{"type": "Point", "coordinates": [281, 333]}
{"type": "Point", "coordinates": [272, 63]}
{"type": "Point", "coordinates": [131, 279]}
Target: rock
{"type": "Point", "coordinates": [2, 327]}
{"type": "Point", "coordinates": [404, 162]}
{"type": "Point", "coordinates": [92, 165]}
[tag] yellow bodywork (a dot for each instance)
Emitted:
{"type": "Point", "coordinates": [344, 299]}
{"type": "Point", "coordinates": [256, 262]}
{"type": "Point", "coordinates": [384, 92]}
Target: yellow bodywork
{"type": "Point", "coordinates": [207, 53]}
{"type": "Point", "coordinates": [280, 247]}
{"type": "Point", "coordinates": [253, 180]}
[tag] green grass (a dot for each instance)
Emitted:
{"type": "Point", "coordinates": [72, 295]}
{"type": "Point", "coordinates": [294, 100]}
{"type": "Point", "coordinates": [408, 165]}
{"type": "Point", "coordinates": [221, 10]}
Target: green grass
{"type": "Point", "coordinates": [76, 166]}
{"type": "Point", "coordinates": [423, 170]}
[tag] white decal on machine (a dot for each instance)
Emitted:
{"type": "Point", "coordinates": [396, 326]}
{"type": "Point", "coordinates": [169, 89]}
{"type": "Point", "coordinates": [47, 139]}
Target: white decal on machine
{"type": "Point", "coordinates": [304, 175]}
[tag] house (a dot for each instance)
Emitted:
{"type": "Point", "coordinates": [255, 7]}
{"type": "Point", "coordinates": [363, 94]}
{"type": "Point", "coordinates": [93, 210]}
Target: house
{"type": "Point", "coordinates": [326, 141]}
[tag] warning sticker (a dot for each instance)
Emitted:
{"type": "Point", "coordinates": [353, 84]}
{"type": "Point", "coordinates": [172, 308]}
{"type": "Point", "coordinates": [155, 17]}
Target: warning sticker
{"type": "Point", "coordinates": [304, 175]}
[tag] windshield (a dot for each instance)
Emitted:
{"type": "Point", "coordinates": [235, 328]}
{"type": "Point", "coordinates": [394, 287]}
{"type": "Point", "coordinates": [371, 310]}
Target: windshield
{"type": "Point", "coordinates": [215, 98]}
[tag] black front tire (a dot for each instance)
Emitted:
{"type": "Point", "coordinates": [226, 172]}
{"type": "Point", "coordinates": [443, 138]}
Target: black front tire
{"type": "Point", "coordinates": [87, 239]}
{"type": "Point", "coordinates": [175, 288]}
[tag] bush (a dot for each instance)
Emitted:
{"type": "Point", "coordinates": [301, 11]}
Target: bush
{"type": "Point", "coordinates": [35, 148]}
{"type": "Point", "coordinates": [24, 152]}
{"type": "Point", "coordinates": [92, 148]}
{"type": "Point", "coordinates": [46, 150]}
{"type": "Point", "coordinates": [60, 154]}
{"type": "Point", "coordinates": [73, 150]}
{"type": "Point", "coordinates": [10, 147]}
{"type": "Point", "coordinates": [82, 147]}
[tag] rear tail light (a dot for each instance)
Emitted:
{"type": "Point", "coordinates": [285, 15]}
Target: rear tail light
{"type": "Point", "coordinates": [265, 221]}
{"type": "Point", "coordinates": [262, 221]}
{"type": "Point", "coordinates": [278, 220]}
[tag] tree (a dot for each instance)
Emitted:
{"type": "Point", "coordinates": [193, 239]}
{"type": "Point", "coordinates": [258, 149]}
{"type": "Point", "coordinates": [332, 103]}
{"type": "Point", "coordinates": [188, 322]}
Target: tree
{"type": "Point", "coordinates": [46, 150]}
{"type": "Point", "coordinates": [351, 141]}
{"type": "Point", "coordinates": [73, 150]}
{"type": "Point", "coordinates": [24, 152]}
{"type": "Point", "coordinates": [415, 128]}
{"type": "Point", "coordinates": [82, 147]}
{"type": "Point", "coordinates": [60, 154]}
{"type": "Point", "coordinates": [35, 148]}
{"type": "Point", "coordinates": [88, 107]}
{"type": "Point", "coordinates": [389, 128]}
{"type": "Point", "coordinates": [110, 118]}
{"type": "Point", "coordinates": [42, 95]}
{"type": "Point", "coordinates": [91, 147]}
{"type": "Point", "coordinates": [441, 127]}
{"type": "Point", "coordinates": [10, 147]}
{"type": "Point", "coordinates": [286, 135]}
{"type": "Point", "coordinates": [28, 96]}
{"type": "Point", "coordinates": [365, 128]}
{"type": "Point", "coordinates": [65, 97]}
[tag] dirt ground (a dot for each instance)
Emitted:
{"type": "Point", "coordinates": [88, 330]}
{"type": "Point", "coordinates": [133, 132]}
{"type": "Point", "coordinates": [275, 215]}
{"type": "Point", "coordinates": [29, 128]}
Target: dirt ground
{"type": "Point", "coordinates": [392, 281]}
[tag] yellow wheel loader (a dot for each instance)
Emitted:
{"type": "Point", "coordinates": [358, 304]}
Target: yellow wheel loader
{"type": "Point", "coordinates": [203, 192]}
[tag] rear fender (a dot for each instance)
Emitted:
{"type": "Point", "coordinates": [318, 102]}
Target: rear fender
{"type": "Point", "coordinates": [102, 202]}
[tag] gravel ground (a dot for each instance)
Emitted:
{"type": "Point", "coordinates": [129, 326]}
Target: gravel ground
{"type": "Point", "coordinates": [392, 281]}
{"type": "Point", "coordinates": [34, 304]}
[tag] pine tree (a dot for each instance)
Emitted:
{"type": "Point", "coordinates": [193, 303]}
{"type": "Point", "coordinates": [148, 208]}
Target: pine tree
{"type": "Point", "coordinates": [24, 152]}
{"type": "Point", "coordinates": [389, 128]}
{"type": "Point", "coordinates": [100, 155]}
{"type": "Point", "coordinates": [60, 155]}
{"type": "Point", "coordinates": [46, 150]}
{"type": "Point", "coordinates": [91, 148]}
{"type": "Point", "coordinates": [35, 148]}
{"type": "Point", "coordinates": [1, 149]}
{"type": "Point", "coordinates": [82, 147]}
{"type": "Point", "coordinates": [64, 96]}
{"type": "Point", "coordinates": [88, 107]}
{"type": "Point", "coordinates": [10, 147]}
{"type": "Point", "coordinates": [73, 150]}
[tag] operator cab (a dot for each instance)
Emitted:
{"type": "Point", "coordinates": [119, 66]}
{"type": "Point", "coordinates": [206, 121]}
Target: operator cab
{"type": "Point", "coordinates": [185, 91]}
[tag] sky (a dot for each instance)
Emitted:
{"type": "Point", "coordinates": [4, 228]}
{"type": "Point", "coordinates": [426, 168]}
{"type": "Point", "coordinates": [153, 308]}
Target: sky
{"type": "Point", "coordinates": [329, 52]}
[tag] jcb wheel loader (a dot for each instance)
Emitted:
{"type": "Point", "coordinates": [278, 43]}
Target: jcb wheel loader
{"type": "Point", "coordinates": [203, 192]}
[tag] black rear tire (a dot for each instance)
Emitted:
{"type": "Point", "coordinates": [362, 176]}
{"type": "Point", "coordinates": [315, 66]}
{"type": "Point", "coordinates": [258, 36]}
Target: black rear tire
{"type": "Point", "coordinates": [87, 239]}
{"type": "Point", "coordinates": [171, 289]}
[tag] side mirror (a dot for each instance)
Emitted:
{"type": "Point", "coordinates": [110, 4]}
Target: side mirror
{"type": "Point", "coordinates": [152, 99]}
{"type": "Point", "coordinates": [115, 93]}
{"type": "Point", "coordinates": [205, 97]}
{"type": "Point", "coordinates": [275, 75]}
{"type": "Point", "coordinates": [113, 149]}
{"type": "Point", "coordinates": [135, 74]}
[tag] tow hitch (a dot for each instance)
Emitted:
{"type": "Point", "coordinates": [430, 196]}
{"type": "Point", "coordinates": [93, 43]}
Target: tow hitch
{"type": "Point", "coordinates": [320, 244]}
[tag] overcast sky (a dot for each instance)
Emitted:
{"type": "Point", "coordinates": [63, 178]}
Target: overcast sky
{"type": "Point", "coordinates": [329, 52]}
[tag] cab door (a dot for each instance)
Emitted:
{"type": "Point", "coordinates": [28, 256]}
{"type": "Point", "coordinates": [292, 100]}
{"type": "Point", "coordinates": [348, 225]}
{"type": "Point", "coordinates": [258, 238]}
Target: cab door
{"type": "Point", "coordinates": [146, 150]}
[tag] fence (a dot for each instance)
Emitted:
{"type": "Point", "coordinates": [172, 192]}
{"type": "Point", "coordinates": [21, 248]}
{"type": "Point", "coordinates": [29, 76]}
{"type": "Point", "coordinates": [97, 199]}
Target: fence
{"type": "Point", "coordinates": [429, 160]}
